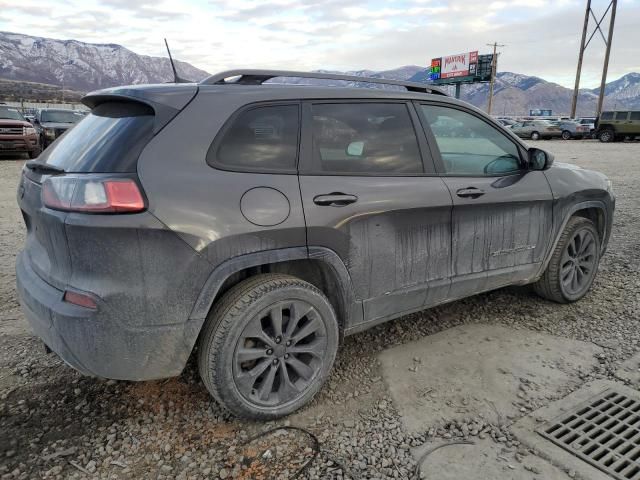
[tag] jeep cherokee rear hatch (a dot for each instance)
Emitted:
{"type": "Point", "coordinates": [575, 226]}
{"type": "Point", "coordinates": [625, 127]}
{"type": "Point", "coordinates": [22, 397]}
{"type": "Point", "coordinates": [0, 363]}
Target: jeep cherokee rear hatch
{"type": "Point", "coordinates": [90, 170]}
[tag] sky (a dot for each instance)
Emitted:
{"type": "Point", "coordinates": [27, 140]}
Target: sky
{"type": "Point", "coordinates": [541, 36]}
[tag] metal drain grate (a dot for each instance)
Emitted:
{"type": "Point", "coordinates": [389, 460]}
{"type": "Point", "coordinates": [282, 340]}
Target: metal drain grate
{"type": "Point", "coordinates": [604, 431]}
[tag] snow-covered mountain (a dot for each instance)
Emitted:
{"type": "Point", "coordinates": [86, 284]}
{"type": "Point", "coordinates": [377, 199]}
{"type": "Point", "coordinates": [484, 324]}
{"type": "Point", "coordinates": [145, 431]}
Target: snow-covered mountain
{"type": "Point", "coordinates": [82, 66]}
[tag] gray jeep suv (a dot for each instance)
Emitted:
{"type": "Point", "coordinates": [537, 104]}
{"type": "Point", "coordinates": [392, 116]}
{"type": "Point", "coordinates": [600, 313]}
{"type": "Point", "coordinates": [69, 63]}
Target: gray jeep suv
{"type": "Point", "coordinates": [264, 222]}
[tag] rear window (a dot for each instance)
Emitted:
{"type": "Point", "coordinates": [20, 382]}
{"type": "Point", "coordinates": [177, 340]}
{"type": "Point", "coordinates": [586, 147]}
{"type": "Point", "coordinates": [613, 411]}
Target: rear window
{"type": "Point", "coordinates": [261, 139]}
{"type": "Point", "coordinates": [108, 140]}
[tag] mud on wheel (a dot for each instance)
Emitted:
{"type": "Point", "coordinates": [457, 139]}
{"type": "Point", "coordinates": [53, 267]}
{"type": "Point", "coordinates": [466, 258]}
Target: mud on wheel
{"type": "Point", "coordinates": [268, 346]}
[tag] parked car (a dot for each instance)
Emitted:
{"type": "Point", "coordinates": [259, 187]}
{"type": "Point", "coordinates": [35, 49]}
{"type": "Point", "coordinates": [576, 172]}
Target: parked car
{"type": "Point", "coordinates": [16, 134]}
{"type": "Point", "coordinates": [615, 126]}
{"type": "Point", "coordinates": [507, 122]}
{"type": "Point", "coordinates": [590, 123]}
{"type": "Point", "coordinates": [572, 129]}
{"type": "Point", "coordinates": [53, 122]}
{"type": "Point", "coordinates": [265, 223]}
{"type": "Point", "coordinates": [536, 129]}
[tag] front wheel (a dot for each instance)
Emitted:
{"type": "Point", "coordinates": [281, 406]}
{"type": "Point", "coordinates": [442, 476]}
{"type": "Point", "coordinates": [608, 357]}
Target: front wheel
{"type": "Point", "coordinates": [573, 265]}
{"type": "Point", "coordinates": [268, 346]}
{"type": "Point", "coordinates": [566, 135]}
{"type": "Point", "coordinates": [606, 136]}
{"type": "Point", "coordinates": [535, 136]}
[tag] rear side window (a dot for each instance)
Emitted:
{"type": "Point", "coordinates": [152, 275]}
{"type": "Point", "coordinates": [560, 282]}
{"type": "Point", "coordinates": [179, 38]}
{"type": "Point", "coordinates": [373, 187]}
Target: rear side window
{"type": "Point", "coordinates": [108, 140]}
{"type": "Point", "coordinates": [365, 138]}
{"type": "Point", "coordinates": [607, 116]}
{"type": "Point", "coordinates": [622, 115]}
{"type": "Point", "coordinates": [259, 139]}
{"type": "Point", "coordinates": [635, 115]}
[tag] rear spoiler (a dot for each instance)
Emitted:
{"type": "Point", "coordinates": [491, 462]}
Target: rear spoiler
{"type": "Point", "coordinates": [165, 100]}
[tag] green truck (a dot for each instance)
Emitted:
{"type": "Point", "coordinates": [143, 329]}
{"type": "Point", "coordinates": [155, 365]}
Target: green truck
{"type": "Point", "coordinates": [614, 126]}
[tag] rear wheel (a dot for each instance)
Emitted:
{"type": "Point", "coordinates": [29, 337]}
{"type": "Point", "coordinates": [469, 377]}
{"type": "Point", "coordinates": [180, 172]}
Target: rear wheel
{"type": "Point", "coordinates": [535, 136]}
{"type": "Point", "coordinates": [573, 265]}
{"type": "Point", "coordinates": [566, 135]}
{"type": "Point", "coordinates": [606, 136]}
{"type": "Point", "coordinates": [268, 346]}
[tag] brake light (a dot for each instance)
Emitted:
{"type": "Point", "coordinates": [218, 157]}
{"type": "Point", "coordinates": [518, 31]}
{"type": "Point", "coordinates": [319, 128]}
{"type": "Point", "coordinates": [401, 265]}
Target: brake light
{"type": "Point", "coordinates": [92, 195]}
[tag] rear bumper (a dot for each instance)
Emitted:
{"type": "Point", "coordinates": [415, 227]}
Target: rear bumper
{"type": "Point", "coordinates": [94, 342]}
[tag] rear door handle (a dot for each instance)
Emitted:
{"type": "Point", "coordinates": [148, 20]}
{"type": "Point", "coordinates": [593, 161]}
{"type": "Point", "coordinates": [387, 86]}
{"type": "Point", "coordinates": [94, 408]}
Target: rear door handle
{"type": "Point", "coordinates": [335, 199]}
{"type": "Point", "coordinates": [471, 192]}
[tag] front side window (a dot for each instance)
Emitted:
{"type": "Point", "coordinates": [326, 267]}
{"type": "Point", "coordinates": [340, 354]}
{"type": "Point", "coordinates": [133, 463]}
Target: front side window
{"type": "Point", "coordinates": [605, 116]}
{"type": "Point", "coordinates": [365, 138]}
{"type": "Point", "coordinates": [469, 145]}
{"type": "Point", "coordinates": [259, 139]}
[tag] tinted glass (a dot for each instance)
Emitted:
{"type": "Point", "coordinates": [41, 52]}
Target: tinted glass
{"type": "Point", "coordinates": [635, 115]}
{"type": "Point", "coordinates": [8, 113]}
{"type": "Point", "coordinates": [60, 116]}
{"type": "Point", "coordinates": [622, 115]}
{"type": "Point", "coordinates": [365, 138]}
{"type": "Point", "coordinates": [260, 139]}
{"type": "Point", "coordinates": [605, 116]}
{"type": "Point", "coordinates": [469, 145]}
{"type": "Point", "coordinates": [109, 139]}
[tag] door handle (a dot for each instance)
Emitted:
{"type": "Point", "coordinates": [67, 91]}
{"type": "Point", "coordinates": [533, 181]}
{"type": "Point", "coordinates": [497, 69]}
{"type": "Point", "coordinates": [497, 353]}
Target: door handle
{"type": "Point", "coordinates": [335, 199]}
{"type": "Point", "coordinates": [471, 192]}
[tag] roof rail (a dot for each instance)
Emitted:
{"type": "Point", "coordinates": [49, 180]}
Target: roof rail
{"type": "Point", "coordinates": [258, 77]}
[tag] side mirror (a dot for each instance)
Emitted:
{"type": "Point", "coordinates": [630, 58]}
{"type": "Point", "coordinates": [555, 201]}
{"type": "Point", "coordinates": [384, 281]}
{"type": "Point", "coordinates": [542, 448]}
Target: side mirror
{"type": "Point", "coordinates": [355, 149]}
{"type": "Point", "coordinates": [539, 159]}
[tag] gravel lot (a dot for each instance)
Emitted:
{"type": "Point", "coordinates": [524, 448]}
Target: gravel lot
{"type": "Point", "coordinates": [58, 424]}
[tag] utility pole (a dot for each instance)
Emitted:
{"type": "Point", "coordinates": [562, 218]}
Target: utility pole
{"type": "Point", "coordinates": [574, 100]}
{"type": "Point", "coordinates": [605, 68]}
{"type": "Point", "coordinates": [585, 43]}
{"type": "Point", "coordinates": [494, 69]}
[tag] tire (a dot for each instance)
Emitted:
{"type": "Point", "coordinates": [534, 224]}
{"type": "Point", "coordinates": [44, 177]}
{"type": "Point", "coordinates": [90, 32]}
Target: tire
{"type": "Point", "coordinates": [606, 136]}
{"type": "Point", "coordinates": [535, 136]}
{"type": "Point", "coordinates": [566, 135]}
{"type": "Point", "coordinates": [278, 374]}
{"type": "Point", "coordinates": [33, 154]}
{"type": "Point", "coordinates": [553, 284]}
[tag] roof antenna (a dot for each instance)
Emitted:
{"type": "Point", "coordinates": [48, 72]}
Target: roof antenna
{"type": "Point", "coordinates": [176, 78]}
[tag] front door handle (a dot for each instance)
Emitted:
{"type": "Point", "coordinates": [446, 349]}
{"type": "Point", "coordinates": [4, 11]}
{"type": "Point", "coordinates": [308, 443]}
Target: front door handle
{"type": "Point", "coordinates": [335, 199]}
{"type": "Point", "coordinates": [471, 192]}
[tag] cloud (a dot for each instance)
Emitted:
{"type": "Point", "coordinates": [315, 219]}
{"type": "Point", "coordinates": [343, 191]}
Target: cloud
{"type": "Point", "coordinates": [541, 35]}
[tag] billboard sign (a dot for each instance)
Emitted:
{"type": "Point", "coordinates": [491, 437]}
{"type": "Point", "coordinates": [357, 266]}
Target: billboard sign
{"type": "Point", "coordinates": [452, 66]}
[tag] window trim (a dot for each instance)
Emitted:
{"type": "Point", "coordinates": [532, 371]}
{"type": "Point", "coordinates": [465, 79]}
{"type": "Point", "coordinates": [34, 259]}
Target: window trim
{"type": "Point", "coordinates": [308, 166]}
{"type": "Point", "coordinates": [437, 156]}
{"type": "Point", "coordinates": [212, 153]}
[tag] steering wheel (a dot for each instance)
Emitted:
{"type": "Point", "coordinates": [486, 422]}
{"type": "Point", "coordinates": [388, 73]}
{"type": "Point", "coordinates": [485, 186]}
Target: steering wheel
{"type": "Point", "coordinates": [503, 164]}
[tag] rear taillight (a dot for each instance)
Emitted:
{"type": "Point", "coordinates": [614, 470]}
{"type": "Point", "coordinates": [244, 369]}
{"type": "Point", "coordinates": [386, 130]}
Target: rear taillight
{"type": "Point", "coordinates": [92, 195]}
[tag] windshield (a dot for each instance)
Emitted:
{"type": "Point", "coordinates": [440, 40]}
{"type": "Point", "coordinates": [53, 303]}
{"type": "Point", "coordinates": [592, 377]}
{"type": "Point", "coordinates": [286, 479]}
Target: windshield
{"type": "Point", "coordinates": [10, 113]}
{"type": "Point", "coordinates": [60, 116]}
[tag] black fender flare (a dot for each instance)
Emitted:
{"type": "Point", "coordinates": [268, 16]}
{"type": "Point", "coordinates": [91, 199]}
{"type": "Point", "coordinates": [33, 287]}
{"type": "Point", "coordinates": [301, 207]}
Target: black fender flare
{"type": "Point", "coordinates": [600, 205]}
{"type": "Point", "coordinates": [352, 306]}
